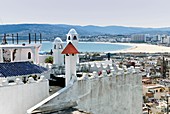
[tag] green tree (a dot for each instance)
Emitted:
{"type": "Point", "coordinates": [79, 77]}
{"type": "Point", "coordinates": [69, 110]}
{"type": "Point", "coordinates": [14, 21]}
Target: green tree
{"type": "Point", "coordinates": [49, 59]}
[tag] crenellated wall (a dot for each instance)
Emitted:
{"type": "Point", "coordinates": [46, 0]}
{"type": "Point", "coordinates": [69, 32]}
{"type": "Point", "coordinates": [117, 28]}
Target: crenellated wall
{"type": "Point", "coordinates": [97, 66]}
{"type": "Point", "coordinates": [119, 92]}
{"type": "Point", "coordinates": [17, 97]}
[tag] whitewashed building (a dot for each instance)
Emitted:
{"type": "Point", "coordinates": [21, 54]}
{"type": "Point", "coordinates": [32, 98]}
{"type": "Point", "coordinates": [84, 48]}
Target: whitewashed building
{"type": "Point", "coordinates": [19, 52]}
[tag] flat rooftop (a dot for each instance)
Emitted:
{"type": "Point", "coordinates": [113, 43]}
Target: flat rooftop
{"type": "Point", "coordinates": [19, 45]}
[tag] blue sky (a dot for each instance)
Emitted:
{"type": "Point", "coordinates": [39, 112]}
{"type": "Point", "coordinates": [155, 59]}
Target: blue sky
{"type": "Point", "coordinates": [137, 13]}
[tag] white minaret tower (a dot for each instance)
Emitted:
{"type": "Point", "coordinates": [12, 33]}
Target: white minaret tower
{"type": "Point", "coordinates": [70, 62]}
{"type": "Point", "coordinates": [72, 37]}
{"type": "Point", "coordinates": [57, 49]}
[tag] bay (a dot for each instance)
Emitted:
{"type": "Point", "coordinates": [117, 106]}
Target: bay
{"type": "Point", "coordinates": [89, 46]}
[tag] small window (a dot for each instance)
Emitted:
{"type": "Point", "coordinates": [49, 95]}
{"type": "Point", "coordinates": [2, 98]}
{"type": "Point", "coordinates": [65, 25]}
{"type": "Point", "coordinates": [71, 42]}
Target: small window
{"type": "Point", "coordinates": [161, 90]}
{"type": "Point", "coordinates": [74, 38]}
{"type": "Point", "coordinates": [29, 55]}
{"type": "Point", "coordinates": [54, 46]}
{"type": "Point", "coordinates": [60, 47]}
{"type": "Point", "coordinates": [69, 38]}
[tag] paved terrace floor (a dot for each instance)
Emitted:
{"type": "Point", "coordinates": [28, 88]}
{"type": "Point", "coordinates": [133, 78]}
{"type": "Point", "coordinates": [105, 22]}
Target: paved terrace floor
{"type": "Point", "coordinates": [54, 89]}
{"type": "Point", "coordinates": [70, 111]}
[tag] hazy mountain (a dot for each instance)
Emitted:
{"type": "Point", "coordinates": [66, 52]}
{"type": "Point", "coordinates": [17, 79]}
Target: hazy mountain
{"type": "Point", "coordinates": [53, 30]}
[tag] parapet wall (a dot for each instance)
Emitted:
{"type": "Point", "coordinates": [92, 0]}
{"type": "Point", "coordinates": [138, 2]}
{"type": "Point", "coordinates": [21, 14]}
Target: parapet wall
{"type": "Point", "coordinates": [17, 97]}
{"type": "Point", "coordinates": [119, 92]}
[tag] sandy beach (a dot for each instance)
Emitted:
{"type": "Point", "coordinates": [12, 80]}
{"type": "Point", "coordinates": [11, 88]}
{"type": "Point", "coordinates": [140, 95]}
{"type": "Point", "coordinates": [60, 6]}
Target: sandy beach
{"type": "Point", "coordinates": [144, 48]}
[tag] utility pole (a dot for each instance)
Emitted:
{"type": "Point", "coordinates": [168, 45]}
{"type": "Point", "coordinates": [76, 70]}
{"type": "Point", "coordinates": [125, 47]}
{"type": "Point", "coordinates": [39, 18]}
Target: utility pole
{"type": "Point", "coordinates": [4, 41]}
{"type": "Point", "coordinates": [167, 106]}
{"type": "Point", "coordinates": [164, 68]}
{"type": "Point", "coordinates": [40, 38]}
{"type": "Point", "coordinates": [35, 38]}
{"type": "Point", "coordinates": [167, 98]}
{"type": "Point", "coordinates": [12, 38]}
{"type": "Point", "coordinates": [17, 38]}
{"type": "Point", "coordinates": [29, 36]}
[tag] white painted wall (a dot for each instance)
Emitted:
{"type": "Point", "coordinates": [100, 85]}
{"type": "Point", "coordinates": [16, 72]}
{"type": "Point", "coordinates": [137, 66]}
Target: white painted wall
{"type": "Point", "coordinates": [42, 58]}
{"type": "Point", "coordinates": [58, 57]}
{"type": "Point", "coordinates": [75, 42]}
{"type": "Point", "coordinates": [1, 55]}
{"type": "Point", "coordinates": [21, 53]}
{"type": "Point", "coordinates": [24, 55]}
{"type": "Point", "coordinates": [109, 94]}
{"type": "Point", "coordinates": [97, 66]}
{"type": "Point", "coordinates": [16, 99]}
{"type": "Point", "coordinates": [70, 67]}
{"type": "Point", "coordinates": [159, 95]}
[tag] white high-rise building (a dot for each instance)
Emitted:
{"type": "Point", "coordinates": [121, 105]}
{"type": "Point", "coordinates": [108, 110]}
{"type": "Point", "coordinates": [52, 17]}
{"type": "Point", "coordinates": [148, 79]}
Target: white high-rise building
{"type": "Point", "coordinates": [168, 39]}
{"type": "Point", "coordinates": [138, 38]}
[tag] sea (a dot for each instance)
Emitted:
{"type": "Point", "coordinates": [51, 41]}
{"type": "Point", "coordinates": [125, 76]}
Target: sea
{"type": "Point", "coordinates": [89, 46]}
{"type": "Point", "coordinates": [83, 46]}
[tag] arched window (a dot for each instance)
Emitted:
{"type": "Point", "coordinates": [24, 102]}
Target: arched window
{"type": "Point", "coordinates": [29, 55]}
{"type": "Point", "coordinates": [60, 47]}
{"type": "Point", "coordinates": [69, 38]}
{"type": "Point", "coordinates": [54, 46]}
{"type": "Point", "coordinates": [74, 38]}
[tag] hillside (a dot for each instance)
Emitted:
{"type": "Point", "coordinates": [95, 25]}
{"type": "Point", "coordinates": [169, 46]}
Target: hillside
{"type": "Point", "coordinates": [54, 30]}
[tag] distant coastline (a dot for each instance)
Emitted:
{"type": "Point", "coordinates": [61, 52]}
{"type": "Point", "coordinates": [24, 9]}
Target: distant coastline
{"type": "Point", "coordinates": [143, 48]}
{"type": "Point", "coordinates": [129, 47]}
{"type": "Point", "coordinates": [114, 47]}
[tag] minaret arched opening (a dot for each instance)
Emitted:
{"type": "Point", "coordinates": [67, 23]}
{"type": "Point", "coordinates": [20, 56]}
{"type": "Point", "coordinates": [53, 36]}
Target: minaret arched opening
{"type": "Point", "coordinates": [69, 38]}
{"type": "Point", "coordinates": [54, 46]}
{"type": "Point", "coordinates": [74, 38]}
{"type": "Point", "coordinates": [60, 46]}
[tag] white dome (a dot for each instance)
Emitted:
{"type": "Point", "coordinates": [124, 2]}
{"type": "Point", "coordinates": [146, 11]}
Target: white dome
{"type": "Point", "coordinates": [72, 31]}
{"type": "Point", "coordinates": [58, 40]}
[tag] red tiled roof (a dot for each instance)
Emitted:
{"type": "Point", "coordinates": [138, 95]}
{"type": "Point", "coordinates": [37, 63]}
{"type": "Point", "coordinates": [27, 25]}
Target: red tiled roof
{"type": "Point", "coordinates": [70, 49]}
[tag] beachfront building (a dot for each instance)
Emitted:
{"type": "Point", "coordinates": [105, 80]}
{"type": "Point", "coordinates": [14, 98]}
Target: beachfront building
{"type": "Point", "coordinates": [138, 38]}
{"type": "Point", "coordinates": [163, 39]}
{"type": "Point", "coordinates": [156, 38]}
{"type": "Point", "coordinates": [125, 40]}
{"type": "Point", "coordinates": [168, 40]}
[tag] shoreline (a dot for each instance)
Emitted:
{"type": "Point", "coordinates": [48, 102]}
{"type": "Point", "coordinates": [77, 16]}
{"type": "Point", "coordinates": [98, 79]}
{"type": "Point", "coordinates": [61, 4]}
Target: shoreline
{"type": "Point", "coordinates": [143, 48]}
